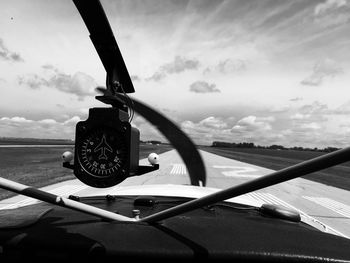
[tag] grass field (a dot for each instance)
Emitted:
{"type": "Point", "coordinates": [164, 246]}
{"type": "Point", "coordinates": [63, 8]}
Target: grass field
{"type": "Point", "coordinates": [41, 166]}
{"type": "Point", "coordinates": [338, 176]}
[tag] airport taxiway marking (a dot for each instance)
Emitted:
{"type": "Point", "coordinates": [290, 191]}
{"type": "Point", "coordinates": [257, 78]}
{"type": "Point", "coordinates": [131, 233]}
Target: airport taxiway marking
{"type": "Point", "coordinates": [178, 168]}
{"type": "Point", "coordinates": [238, 171]}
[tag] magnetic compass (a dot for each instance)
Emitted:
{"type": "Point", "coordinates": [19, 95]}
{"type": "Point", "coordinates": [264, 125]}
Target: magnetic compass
{"type": "Point", "coordinates": [106, 149]}
{"type": "Point", "coordinates": [103, 153]}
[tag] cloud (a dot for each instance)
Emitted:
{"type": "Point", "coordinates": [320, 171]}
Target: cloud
{"type": "Point", "coordinates": [15, 119]}
{"type": "Point", "coordinates": [258, 130]}
{"type": "Point", "coordinates": [275, 109]}
{"type": "Point", "coordinates": [203, 87]}
{"type": "Point", "coordinates": [50, 67]}
{"type": "Point", "coordinates": [178, 65]}
{"type": "Point", "coordinates": [332, 13]}
{"type": "Point", "coordinates": [329, 5]}
{"type": "Point", "coordinates": [72, 121]}
{"type": "Point", "coordinates": [227, 66]}
{"type": "Point", "coordinates": [80, 84]}
{"type": "Point", "coordinates": [316, 108]}
{"type": "Point", "coordinates": [48, 121]}
{"type": "Point", "coordinates": [310, 126]}
{"type": "Point", "coordinates": [157, 76]}
{"type": "Point", "coordinates": [45, 128]}
{"type": "Point", "coordinates": [322, 69]}
{"type": "Point", "coordinates": [33, 81]}
{"type": "Point", "coordinates": [208, 130]}
{"type": "Point", "coordinates": [296, 99]}
{"type": "Point", "coordinates": [135, 78]}
{"type": "Point", "coordinates": [8, 55]}
{"type": "Point", "coordinates": [253, 124]}
{"type": "Point", "coordinates": [342, 109]}
{"type": "Point", "coordinates": [299, 116]}
{"type": "Point", "coordinates": [307, 126]}
{"type": "Point", "coordinates": [316, 112]}
{"type": "Point", "coordinates": [212, 122]}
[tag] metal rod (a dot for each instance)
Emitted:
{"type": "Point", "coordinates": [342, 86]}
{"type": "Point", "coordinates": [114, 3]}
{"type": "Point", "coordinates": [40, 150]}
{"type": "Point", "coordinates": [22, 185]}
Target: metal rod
{"type": "Point", "coordinates": [306, 167]}
{"type": "Point", "coordinates": [60, 201]}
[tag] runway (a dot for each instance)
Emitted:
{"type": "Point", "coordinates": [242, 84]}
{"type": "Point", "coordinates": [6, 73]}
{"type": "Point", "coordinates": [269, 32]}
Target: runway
{"type": "Point", "coordinates": [327, 207]}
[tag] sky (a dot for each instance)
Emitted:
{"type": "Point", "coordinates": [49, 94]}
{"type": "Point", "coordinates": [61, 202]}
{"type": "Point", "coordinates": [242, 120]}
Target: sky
{"type": "Point", "coordinates": [261, 71]}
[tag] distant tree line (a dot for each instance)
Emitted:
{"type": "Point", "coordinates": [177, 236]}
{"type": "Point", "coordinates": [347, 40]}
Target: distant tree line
{"type": "Point", "coordinates": [274, 146]}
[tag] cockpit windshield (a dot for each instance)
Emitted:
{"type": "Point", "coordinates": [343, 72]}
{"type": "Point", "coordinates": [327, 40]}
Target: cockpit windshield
{"type": "Point", "coordinates": [255, 86]}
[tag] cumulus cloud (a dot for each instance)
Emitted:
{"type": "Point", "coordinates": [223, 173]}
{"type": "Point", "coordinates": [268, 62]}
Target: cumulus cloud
{"type": "Point", "coordinates": [207, 130]}
{"type": "Point", "coordinates": [310, 126]}
{"type": "Point", "coordinates": [315, 112]}
{"type": "Point", "coordinates": [212, 122]}
{"type": "Point", "coordinates": [323, 69]}
{"type": "Point", "coordinates": [307, 126]}
{"type": "Point", "coordinates": [253, 124]}
{"type": "Point", "coordinates": [343, 109]}
{"type": "Point", "coordinates": [307, 134]}
{"type": "Point", "coordinates": [48, 121]}
{"type": "Point", "coordinates": [33, 81]}
{"type": "Point", "coordinates": [299, 116]}
{"type": "Point", "coordinates": [227, 66]}
{"type": "Point", "coordinates": [15, 119]}
{"type": "Point", "coordinates": [45, 128]}
{"type": "Point", "coordinates": [258, 130]}
{"type": "Point", "coordinates": [203, 87]}
{"type": "Point", "coordinates": [178, 65]}
{"type": "Point", "coordinates": [315, 108]}
{"type": "Point", "coordinates": [72, 121]}
{"type": "Point", "coordinates": [247, 129]}
{"type": "Point", "coordinates": [8, 55]}
{"type": "Point", "coordinates": [80, 84]}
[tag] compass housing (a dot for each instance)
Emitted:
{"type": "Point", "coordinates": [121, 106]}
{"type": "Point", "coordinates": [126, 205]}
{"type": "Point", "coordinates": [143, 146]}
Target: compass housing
{"type": "Point", "coordinates": [106, 148]}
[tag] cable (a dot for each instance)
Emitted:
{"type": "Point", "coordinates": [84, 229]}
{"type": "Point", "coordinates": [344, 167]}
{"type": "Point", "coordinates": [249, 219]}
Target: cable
{"type": "Point", "coordinates": [114, 89]}
{"type": "Point", "coordinates": [130, 104]}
